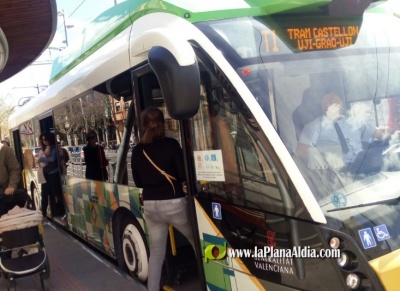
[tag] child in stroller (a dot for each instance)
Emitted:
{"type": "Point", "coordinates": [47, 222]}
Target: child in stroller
{"type": "Point", "coordinates": [22, 251]}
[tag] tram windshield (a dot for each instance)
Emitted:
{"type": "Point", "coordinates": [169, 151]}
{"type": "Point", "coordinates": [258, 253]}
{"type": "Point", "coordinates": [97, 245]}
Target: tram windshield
{"type": "Point", "coordinates": [310, 75]}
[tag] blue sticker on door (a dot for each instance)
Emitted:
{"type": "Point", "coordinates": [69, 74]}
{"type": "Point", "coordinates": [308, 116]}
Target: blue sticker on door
{"type": "Point", "coordinates": [381, 232]}
{"type": "Point", "coordinates": [216, 210]}
{"type": "Point", "coordinates": [367, 238]}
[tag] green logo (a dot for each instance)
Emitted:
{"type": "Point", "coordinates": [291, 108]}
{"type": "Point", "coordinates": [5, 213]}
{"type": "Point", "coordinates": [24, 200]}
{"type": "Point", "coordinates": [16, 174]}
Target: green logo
{"type": "Point", "coordinates": [215, 252]}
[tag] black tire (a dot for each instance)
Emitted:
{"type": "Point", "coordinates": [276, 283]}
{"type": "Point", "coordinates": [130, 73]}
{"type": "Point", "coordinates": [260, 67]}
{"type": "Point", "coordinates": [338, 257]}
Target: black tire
{"type": "Point", "coordinates": [45, 274]}
{"type": "Point", "coordinates": [12, 286]}
{"type": "Point", "coordinates": [45, 284]}
{"type": "Point", "coordinates": [132, 249]}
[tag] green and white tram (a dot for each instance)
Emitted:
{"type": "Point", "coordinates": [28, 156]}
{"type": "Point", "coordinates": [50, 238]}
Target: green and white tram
{"type": "Point", "coordinates": [238, 80]}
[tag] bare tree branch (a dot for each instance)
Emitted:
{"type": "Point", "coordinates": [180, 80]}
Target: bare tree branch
{"type": "Point", "coordinates": [5, 110]}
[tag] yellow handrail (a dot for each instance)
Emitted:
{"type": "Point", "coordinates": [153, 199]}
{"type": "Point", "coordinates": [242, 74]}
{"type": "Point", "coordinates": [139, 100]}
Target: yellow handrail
{"type": "Point", "coordinates": [23, 179]}
{"type": "Point", "coordinates": [172, 240]}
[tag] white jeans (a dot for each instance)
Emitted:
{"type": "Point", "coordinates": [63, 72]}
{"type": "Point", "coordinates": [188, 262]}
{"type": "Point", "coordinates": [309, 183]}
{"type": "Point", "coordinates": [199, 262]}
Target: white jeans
{"type": "Point", "coordinates": [159, 214]}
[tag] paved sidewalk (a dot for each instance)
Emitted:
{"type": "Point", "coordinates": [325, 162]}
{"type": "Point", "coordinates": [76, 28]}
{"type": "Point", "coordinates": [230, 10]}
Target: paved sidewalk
{"type": "Point", "coordinates": [74, 266]}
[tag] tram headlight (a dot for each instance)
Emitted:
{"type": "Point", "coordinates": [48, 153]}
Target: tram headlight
{"type": "Point", "coordinates": [353, 281]}
{"type": "Point", "coordinates": [343, 260]}
{"type": "Point", "coordinates": [334, 242]}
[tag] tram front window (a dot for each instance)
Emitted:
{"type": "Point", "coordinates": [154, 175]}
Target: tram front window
{"type": "Point", "coordinates": [289, 68]}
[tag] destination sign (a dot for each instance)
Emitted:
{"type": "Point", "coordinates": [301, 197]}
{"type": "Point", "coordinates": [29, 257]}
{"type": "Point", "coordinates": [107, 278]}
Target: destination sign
{"type": "Point", "coordinates": [309, 34]}
{"type": "Point", "coordinates": [311, 38]}
{"type": "Point", "coordinates": [317, 38]}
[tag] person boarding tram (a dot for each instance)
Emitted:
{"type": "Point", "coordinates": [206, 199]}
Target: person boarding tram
{"type": "Point", "coordinates": [158, 168]}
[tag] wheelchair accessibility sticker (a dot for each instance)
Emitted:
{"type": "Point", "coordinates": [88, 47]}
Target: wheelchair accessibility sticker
{"type": "Point", "coordinates": [381, 232]}
{"type": "Point", "coordinates": [216, 210]}
{"type": "Point", "coordinates": [367, 238]}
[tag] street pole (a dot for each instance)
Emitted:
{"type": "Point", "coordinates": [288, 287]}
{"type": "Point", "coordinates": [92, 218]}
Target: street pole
{"type": "Point", "coordinates": [65, 28]}
{"type": "Point", "coordinates": [62, 13]}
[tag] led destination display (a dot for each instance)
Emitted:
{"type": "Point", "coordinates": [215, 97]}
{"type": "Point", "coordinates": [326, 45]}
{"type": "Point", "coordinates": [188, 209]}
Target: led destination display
{"type": "Point", "coordinates": [302, 35]}
{"type": "Point", "coordinates": [315, 38]}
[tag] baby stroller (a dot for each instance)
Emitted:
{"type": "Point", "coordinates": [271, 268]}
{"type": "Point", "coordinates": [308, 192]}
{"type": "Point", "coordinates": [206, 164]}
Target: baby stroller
{"type": "Point", "coordinates": [22, 251]}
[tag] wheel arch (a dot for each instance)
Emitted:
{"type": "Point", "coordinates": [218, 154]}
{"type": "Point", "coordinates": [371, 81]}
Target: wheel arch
{"type": "Point", "coordinates": [120, 216]}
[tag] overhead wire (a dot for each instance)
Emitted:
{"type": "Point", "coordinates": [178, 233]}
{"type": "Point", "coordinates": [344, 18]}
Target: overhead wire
{"type": "Point", "coordinates": [72, 13]}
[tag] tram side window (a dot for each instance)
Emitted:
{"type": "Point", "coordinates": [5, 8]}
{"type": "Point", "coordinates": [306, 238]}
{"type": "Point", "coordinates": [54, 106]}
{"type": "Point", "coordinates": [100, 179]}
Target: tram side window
{"type": "Point", "coordinates": [223, 123]}
{"type": "Point", "coordinates": [78, 122]}
{"type": "Point", "coordinates": [150, 95]}
{"type": "Point", "coordinates": [74, 120]}
{"type": "Point", "coordinates": [28, 145]}
{"type": "Point", "coordinates": [64, 125]}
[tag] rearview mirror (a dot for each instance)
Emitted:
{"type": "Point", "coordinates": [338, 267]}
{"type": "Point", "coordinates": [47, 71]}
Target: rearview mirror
{"type": "Point", "coordinates": [180, 85]}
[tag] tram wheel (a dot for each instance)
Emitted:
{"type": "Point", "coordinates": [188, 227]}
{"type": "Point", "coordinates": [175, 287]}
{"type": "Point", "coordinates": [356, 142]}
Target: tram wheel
{"type": "Point", "coordinates": [133, 254]}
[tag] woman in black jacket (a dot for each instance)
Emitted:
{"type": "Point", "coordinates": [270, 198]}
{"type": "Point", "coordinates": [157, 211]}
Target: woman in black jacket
{"type": "Point", "coordinates": [95, 159]}
{"type": "Point", "coordinates": [157, 167]}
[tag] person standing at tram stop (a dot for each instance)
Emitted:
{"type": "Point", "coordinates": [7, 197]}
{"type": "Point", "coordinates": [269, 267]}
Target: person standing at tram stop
{"type": "Point", "coordinates": [95, 159]}
{"type": "Point", "coordinates": [43, 152]}
{"type": "Point", "coordinates": [51, 189]}
{"type": "Point", "coordinates": [164, 199]}
{"type": "Point", "coordinates": [10, 173]}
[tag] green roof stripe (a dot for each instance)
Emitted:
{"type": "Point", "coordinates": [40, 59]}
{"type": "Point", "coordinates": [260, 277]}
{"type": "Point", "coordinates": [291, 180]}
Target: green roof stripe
{"type": "Point", "coordinates": [116, 19]}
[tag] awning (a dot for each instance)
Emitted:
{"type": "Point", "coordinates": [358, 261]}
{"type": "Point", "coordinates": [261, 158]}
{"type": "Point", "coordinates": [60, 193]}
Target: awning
{"type": "Point", "coordinates": [26, 29]}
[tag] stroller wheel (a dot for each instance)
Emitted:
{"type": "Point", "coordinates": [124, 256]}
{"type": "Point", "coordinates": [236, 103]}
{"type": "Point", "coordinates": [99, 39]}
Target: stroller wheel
{"type": "Point", "coordinates": [45, 284]}
{"type": "Point", "coordinates": [12, 286]}
{"type": "Point", "coordinates": [45, 274]}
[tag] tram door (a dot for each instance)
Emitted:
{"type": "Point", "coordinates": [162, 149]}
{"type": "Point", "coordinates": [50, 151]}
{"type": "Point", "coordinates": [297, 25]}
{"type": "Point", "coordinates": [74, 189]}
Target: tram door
{"type": "Point", "coordinates": [18, 153]}
{"type": "Point", "coordinates": [180, 263]}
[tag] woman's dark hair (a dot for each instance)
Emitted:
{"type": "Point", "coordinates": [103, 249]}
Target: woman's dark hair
{"type": "Point", "coordinates": [42, 145]}
{"type": "Point", "coordinates": [49, 137]}
{"type": "Point", "coordinates": [153, 125]}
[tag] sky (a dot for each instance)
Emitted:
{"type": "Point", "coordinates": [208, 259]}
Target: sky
{"type": "Point", "coordinates": [35, 78]}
